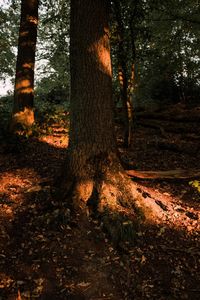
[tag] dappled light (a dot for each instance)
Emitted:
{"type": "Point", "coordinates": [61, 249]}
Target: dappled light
{"type": "Point", "coordinates": [103, 53]}
{"type": "Point", "coordinates": [59, 142]}
{"type": "Point", "coordinates": [24, 86]}
{"type": "Point", "coordinates": [57, 137]}
{"type": "Point", "coordinates": [28, 65]}
{"type": "Point", "coordinates": [23, 83]}
{"type": "Point", "coordinates": [27, 90]}
{"type": "Point", "coordinates": [100, 156]}
{"type": "Point", "coordinates": [104, 60]}
{"type": "Point", "coordinates": [42, 236]}
{"type": "Point", "coordinates": [14, 186]}
{"type": "Point", "coordinates": [24, 78]}
{"type": "Point", "coordinates": [25, 117]}
{"type": "Point", "coordinates": [32, 19]}
{"type": "Point", "coordinates": [24, 33]}
{"type": "Point", "coordinates": [170, 211]}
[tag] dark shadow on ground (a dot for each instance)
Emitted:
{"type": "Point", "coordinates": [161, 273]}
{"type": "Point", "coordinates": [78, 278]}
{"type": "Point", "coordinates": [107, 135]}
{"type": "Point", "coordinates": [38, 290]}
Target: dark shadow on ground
{"type": "Point", "coordinates": [46, 253]}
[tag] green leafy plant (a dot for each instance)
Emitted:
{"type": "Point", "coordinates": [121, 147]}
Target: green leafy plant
{"type": "Point", "coordinates": [195, 184]}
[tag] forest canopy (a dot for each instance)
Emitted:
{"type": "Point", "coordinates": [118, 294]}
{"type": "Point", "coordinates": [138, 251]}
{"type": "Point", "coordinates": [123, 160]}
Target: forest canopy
{"type": "Point", "coordinates": [159, 38]}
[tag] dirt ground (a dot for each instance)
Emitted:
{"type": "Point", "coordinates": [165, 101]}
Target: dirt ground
{"type": "Point", "coordinates": [48, 253]}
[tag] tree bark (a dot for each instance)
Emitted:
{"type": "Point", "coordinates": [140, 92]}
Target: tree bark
{"type": "Point", "coordinates": [24, 79]}
{"type": "Point", "coordinates": [93, 172]}
{"type": "Point", "coordinates": [93, 179]}
{"type": "Point", "coordinates": [170, 174]}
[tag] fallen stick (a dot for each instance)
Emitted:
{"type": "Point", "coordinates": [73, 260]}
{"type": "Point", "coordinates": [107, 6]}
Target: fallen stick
{"type": "Point", "coordinates": [171, 174]}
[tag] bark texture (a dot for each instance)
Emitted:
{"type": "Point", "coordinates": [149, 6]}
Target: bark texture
{"type": "Point", "coordinates": [93, 176]}
{"type": "Point", "coordinates": [24, 80]}
{"type": "Point", "coordinates": [92, 152]}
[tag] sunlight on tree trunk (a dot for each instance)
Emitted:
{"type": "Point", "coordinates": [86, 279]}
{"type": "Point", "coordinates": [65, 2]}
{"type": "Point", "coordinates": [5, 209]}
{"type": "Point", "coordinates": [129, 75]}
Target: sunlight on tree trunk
{"type": "Point", "coordinates": [92, 148]}
{"type": "Point", "coordinates": [23, 114]}
{"type": "Point", "coordinates": [93, 177]}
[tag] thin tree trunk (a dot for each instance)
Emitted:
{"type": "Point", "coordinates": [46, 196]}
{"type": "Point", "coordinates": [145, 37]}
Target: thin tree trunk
{"type": "Point", "coordinates": [23, 113]}
{"type": "Point", "coordinates": [132, 79]}
{"type": "Point", "coordinates": [125, 84]}
{"type": "Point", "coordinates": [122, 77]}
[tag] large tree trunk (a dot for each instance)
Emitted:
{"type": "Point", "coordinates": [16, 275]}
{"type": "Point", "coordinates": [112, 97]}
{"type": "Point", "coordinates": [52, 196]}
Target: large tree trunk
{"type": "Point", "coordinates": [92, 153]}
{"type": "Point", "coordinates": [24, 80]}
{"type": "Point", "coordinates": [93, 178]}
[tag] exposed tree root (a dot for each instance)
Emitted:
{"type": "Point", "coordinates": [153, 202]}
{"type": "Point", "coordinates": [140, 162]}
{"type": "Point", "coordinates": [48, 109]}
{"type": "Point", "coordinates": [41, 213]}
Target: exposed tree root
{"type": "Point", "coordinates": [171, 174]}
{"type": "Point", "coordinates": [115, 200]}
{"type": "Point", "coordinates": [99, 187]}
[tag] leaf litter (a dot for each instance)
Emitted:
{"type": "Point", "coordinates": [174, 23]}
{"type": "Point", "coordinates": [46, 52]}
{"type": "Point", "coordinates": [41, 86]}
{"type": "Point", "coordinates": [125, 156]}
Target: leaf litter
{"type": "Point", "coordinates": [46, 253]}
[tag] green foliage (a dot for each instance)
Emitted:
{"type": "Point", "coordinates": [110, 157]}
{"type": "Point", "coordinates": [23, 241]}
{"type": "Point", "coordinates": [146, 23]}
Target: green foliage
{"type": "Point", "coordinates": [9, 19]}
{"type": "Point", "coordinates": [162, 37]}
{"type": "Point", "coordinates": [5, 109]}
{"type": "Point", "coordinates": [45, 116]}
{"type": "Point", "coordinates": [53, 47]}
{"type": "Point", "coordinates": [167, 57]}
{"type": "Point", "coordinates": [195, 184]}
{"type": "Point", "coordinates": [52, 57]}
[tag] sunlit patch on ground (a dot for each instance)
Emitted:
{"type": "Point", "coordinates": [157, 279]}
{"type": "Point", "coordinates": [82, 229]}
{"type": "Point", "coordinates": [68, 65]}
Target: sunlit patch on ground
{"type": "Point", "coordinates": [170, 211]}
{"type": "Point", "coordinates": [13, 186]}
{"type": "Point", "coordinates": [44, 256]}
{"type": "Point", "coordinates": [57, 136]}
{"type": "Point", "coordinates": [59, 142]}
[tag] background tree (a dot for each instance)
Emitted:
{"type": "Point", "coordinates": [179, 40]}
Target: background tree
{"type": "Point", "coordinates": [125, 32]}
{"type": "Point", "coordinates": [159, 38]}
{"type": "Point", "coordinates": [23, 113]}
{"type": "Point", "coordinates": [53, 50]}
{"type": "Point", "coordinates": [170, 47]}
{"type": "Point", "coordinates": [123, 73]}
{"type": "Point", "coordinates": [8, 39]}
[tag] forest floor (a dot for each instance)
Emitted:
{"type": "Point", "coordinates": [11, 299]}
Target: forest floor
{"type": "Point", "coordinates": [45, 253]}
